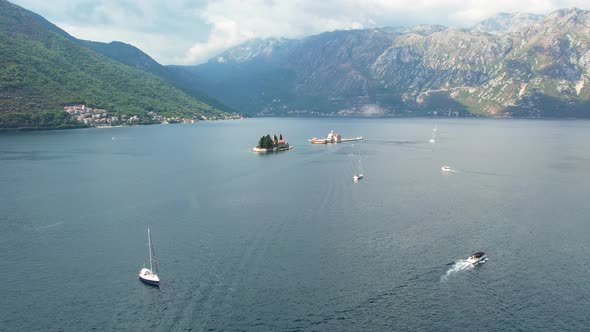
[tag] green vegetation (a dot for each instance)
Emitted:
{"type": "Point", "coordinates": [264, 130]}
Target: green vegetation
{"type": "Point", "coordinates": [42, 70]}
{"type": "Point", "coordinates": [266, 142]}
{"type": "Point", "coordinates": [38, 120]}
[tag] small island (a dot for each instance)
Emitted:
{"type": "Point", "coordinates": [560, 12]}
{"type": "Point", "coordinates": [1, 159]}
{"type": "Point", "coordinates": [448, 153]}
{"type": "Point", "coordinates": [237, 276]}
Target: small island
{"type": "Point", "coordinates": [271, 144]}
{"type": "Point", "coordinates": [333, 138]}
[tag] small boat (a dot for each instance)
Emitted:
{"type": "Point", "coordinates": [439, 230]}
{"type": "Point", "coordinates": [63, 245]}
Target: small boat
{"type": "Point", "coordinates": [445, 168]}
{"type": "Point", "coordinates": [316, 140]}
{"type": "Point", "coordinates": [476, 258]}
{"type": "Point", "coordinates": [359, 175]}
{"type": "Point", "coordinates": [432, 139]}
{"type": "Point", "coordinates": [150, 276]}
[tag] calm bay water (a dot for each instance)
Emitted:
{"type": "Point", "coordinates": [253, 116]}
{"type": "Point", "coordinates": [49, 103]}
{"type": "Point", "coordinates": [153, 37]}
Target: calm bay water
{"type": "Point", "coordinates": [288, 241]}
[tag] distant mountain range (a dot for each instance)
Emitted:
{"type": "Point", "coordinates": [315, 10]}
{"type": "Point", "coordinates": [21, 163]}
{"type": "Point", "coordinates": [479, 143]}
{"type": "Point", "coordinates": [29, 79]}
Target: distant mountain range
{"type": "Point", "coordinates": [509, 65]}
{"type": "Point", "coordinates": [42, 68]}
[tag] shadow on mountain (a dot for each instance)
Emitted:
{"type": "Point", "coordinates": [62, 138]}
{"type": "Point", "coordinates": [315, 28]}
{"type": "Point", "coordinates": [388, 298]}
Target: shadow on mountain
{"type": "Point", "coordinates": [552, 107]}
{"type": "Point", "coordinates": [559, 71]}
{"type": "Point", "coordinates": [441, 104]}
{"type": "Point", "coordinates": [247, 88]}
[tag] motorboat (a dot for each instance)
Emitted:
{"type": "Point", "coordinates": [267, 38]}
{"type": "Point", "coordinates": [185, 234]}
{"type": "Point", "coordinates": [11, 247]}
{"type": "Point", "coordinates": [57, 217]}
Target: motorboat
{"type": "Point", "coordinates": [357, 177]}
{"type": "Point", "coordinates": [150, 276]}
{"type": "Point", "coordinates": [476, 258]}
{"type": "Point", "coordinates": [431, 140]}
{"type": "Point", "coordinates": [445, 168]}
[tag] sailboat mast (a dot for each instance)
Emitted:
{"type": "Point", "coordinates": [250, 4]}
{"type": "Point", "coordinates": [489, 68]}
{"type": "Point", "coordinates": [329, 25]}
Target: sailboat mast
{"type": "Point", "coordinates": [150, 249]}
{"type": "Point", "coordinates": [360, 164]}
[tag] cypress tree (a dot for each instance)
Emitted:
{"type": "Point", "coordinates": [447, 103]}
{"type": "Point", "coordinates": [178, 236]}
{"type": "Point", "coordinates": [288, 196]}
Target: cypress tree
{"type": "Point", "coordinates": [261, 142]}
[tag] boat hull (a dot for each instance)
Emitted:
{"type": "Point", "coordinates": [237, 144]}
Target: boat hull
{"type": "Point", "coordinates": [150, 282]}
{"type": "Point", "coordinates": [475, 261]}
{"type": "Point", "coordinates": [148, 277]}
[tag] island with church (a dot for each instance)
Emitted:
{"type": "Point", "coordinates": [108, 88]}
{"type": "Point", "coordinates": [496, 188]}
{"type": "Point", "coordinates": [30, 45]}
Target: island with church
{"type": "Point", "coordinates": [333, 138]}
{"type": "Point", "coordinates": [272, 144]}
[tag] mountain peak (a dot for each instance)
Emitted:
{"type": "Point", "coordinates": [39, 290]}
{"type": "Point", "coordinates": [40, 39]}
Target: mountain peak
{"type": "Point", "coordinates": [250, 49]}
{"type": "Point", "coordinates": [426, 29]}
{"type": "Point", "coordinates": [568, 19]}
{"type": "Point", "coordinates": [506, 22]}
{"type": "Point", "coordinates": [567, 12]}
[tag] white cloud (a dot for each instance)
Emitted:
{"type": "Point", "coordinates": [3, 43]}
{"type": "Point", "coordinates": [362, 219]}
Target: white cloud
{"type": "Point", "coordinates": [235, 21]}
{"type": "Point", "coordinates": [159, 46]}
{"type": "Point", "coordinates": [191, 31]}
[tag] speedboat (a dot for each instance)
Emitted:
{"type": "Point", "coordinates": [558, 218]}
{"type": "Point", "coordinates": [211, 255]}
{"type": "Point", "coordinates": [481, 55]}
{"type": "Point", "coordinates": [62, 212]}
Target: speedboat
{"type": "Point", "coordinates": [357, 177]}
{"type": "Point", "coordinates": [445, 168]}
{"type": "Point", "coordinates": [477, 258]}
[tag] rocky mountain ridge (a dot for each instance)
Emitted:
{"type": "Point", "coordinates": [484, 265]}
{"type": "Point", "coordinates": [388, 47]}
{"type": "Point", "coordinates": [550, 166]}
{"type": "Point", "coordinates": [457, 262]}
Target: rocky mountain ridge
{"type": "Point", "coordinates": [522, 65]}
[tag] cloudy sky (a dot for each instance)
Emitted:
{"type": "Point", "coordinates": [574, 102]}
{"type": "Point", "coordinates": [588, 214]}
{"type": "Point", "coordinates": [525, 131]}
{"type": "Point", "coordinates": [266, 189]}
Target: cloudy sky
{"type": "Point", "coordinates": [192, 31]}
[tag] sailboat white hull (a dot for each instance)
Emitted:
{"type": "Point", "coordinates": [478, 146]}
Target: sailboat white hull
{"type": "Point", "coordinates": [149, 277]}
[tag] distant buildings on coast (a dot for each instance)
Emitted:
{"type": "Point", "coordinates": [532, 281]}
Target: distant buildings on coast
{"type": "Point", "coordinates": [98, 117]}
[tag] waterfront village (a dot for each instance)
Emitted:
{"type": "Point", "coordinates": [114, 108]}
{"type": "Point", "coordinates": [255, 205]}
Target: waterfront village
{"type": "Point", "coordinates": [98, 117]}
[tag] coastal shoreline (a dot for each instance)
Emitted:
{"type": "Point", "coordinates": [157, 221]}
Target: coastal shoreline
{"type": "Point", "coordinates": [82, 126]}
{"type": "Point", "coordinates": [259, 150]}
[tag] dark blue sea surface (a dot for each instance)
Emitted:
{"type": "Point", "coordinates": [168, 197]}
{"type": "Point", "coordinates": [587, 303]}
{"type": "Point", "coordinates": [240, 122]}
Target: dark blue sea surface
{"type": "Point", "coordinates": [288, 241]}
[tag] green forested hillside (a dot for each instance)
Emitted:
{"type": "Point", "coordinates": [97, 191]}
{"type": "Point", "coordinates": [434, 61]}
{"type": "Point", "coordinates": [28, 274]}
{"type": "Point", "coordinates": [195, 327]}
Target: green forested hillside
{"type": "Point", "coordinates": [41, 70]}
{"type": "Point", "coordinates": [136, 58]}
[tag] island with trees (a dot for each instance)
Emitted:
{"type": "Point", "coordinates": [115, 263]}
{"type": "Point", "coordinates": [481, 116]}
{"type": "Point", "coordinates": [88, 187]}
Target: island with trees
{"type": "Point", "coordinates": [272, 144]}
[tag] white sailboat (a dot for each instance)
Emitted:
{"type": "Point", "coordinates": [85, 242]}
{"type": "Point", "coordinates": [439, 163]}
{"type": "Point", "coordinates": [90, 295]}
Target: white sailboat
{"type": "Point", "coordinates": [359, 175]}
{"type": "Point", "coordinates": [150, 276]}
{"type": "Point", "coordinates": [433, 138]}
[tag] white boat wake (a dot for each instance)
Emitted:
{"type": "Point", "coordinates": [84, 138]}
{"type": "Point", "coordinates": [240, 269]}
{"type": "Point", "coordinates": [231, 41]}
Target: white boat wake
{"type": "Point", "coordinates": [49, 226]}
{"type": "Point", "coordinates": [458, 266]}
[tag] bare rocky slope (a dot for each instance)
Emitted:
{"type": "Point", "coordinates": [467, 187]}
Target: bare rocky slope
{"type": "Point", "coordinates": [509, 65]}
